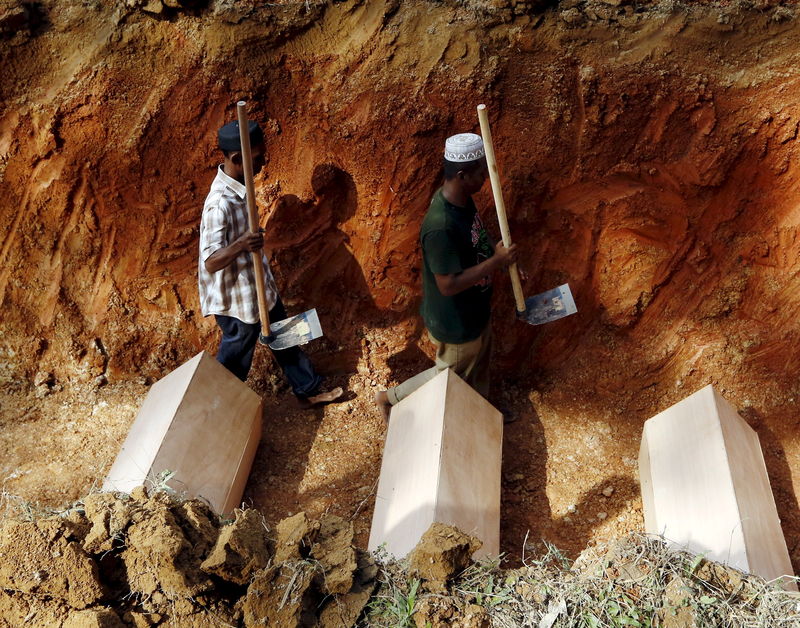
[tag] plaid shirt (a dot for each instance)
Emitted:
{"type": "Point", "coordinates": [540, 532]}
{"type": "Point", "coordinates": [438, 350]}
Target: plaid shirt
{"type": "Point", "coordinates": [230, 291]}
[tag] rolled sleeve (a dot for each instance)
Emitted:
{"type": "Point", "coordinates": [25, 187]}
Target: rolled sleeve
{"type": "Point", "coordinates": [213, 232]}
{"type": "Point", "coordinates": [440, 253]}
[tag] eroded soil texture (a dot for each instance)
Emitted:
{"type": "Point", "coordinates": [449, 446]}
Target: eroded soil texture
{"type": "Point", "coordinates": [649, 158]}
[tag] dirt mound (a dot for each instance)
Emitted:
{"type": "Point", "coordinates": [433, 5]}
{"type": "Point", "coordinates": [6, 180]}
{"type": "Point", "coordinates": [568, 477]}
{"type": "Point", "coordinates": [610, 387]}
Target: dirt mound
{"type": "Point", "coordinates": [153, 560]}
{"type": "Point", "coordinates": [632, 581]}
{"type": "Point", "coordinates": [147, 576]}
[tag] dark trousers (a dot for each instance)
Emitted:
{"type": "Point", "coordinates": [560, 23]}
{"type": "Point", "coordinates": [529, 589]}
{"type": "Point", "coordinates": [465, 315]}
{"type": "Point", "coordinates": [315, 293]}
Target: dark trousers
{"type": "Point", "coordinates": [239, 342]}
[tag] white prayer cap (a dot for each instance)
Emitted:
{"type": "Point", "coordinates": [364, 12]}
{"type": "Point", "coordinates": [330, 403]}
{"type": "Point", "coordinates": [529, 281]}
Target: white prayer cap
{"type": "Point", "coordinates": [464, 147]}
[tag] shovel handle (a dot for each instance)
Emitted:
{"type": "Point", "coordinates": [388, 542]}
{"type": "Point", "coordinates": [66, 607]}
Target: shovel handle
{"type": "Point", "coordinates": [497, 192]}
{"type": "Point", "coordinates": [252, 214]}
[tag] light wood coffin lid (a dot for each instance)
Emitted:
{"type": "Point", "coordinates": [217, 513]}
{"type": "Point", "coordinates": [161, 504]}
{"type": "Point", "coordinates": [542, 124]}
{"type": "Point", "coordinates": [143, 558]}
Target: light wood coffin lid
{"type": "Point", "coordinates": [705, 486]}
{"type": "Point", "coordinates": [199, 421]}
{"type": "Point", "coordinates": [441, 462]}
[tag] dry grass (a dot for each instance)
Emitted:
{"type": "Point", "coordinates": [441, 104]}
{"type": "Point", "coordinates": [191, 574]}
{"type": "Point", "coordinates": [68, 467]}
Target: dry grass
{"type": "Point", "coordinates": [15, 507]}
{"type": "Point", "coordinates": [638, 581]}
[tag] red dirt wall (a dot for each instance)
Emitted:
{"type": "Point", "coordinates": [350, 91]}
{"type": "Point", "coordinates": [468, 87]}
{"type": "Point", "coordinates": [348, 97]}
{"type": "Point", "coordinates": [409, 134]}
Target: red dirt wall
{"type": "Point", "coordinates": [649, 157]}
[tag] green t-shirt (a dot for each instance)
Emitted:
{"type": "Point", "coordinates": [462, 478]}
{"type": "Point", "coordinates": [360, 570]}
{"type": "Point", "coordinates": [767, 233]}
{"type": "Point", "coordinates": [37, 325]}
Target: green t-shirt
{"type": "Point", "coordinates": [453, 239]}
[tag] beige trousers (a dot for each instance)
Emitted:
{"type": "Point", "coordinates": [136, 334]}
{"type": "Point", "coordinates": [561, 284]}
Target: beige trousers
{"type": "Point", "coordinates": [469, 360]}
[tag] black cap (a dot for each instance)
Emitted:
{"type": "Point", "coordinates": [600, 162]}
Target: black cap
{"type": "Point", "coordinates": [228, 135]}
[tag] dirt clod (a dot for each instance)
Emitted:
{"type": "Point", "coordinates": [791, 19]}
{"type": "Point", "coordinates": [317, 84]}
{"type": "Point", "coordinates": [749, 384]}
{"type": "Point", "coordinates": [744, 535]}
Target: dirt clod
{"type": "Point", "coordinates": [434, 612]}
{"type": "Point", "coordinates": [343, 611]}
{"type": "Point", "coordinates": [108, 517]}
{"type": "Point", "coordinates": [728, 580]}
{"type": "Point", "coordinates": [242, 549]}
{"type": "Point", "coordinates": [139, 494]}
{"type": "Point", "coordinates": [677, 611]}
{"type": "Point", "coordinates": [20, 609]}
{"type": "Point", "coordinates": [282, 597]}
{"type": "Point", "coordinates": [94, 618]}
{"type": "Point", "coordinates": [199, 524]}
{"type": "Point", "coordinates": [159, 558]}
{"type": "Point", "coordinates": [335, 552]}
{"type": "Point", "coordinates": [142, 620]}
{"type": "Point", "coordinates": [443, 552]}
{"type": "Point", "coordinates": [295, 536]}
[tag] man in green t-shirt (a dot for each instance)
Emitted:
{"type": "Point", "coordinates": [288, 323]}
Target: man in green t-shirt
{"type": "Point", "coordinates": [458, 261]}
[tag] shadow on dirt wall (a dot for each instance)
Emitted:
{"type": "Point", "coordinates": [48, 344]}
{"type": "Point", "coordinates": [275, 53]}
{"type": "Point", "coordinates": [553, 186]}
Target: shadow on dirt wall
{"type": "Point", "coordinates": [315, 265]}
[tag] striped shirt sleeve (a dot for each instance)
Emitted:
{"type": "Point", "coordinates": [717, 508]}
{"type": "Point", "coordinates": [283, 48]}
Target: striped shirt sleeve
{"type": "Point", "coordinates": [213, 234]}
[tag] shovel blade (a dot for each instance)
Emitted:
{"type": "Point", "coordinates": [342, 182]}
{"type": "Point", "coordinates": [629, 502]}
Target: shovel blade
{"type": "Point", "coordinates": [295, 330]}
{"type": "Point", "coordinates": [549, 306]}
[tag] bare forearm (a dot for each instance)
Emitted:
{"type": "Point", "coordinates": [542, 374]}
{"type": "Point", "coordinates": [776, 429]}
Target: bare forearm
{"type": "Point", "coordinates": [450, 285]}
{"type": "Point", "coordinates": [221, 258]}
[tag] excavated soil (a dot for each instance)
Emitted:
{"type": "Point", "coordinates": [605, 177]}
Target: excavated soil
{"type": "Point", "coordinates": [150, 559]}
{"type": "Point", "coordinates": [89, 567]}
{"type": "Point", "coordinates": [649, 156]}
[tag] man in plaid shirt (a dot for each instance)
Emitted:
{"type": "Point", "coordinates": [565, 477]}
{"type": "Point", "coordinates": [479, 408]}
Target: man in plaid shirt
{"type": "Point", "coordinates": [226, 275]}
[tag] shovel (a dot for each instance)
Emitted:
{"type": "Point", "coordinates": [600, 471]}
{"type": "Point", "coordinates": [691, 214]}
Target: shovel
{"type": "Point", "coordinates": [295, 330]}
{"type": "Point", "coordinates": [541, 308]}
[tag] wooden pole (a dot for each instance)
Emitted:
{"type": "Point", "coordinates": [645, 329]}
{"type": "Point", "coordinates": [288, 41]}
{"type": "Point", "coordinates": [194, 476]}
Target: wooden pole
{"type": "Point", "coordinates": [516, 285]}
{"type": "Point", "coordinates": [252, 214]}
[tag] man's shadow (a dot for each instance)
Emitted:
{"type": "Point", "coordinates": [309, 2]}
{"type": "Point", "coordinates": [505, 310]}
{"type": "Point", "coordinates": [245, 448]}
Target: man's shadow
{"type": "Point", "coordinates": [315, 266]}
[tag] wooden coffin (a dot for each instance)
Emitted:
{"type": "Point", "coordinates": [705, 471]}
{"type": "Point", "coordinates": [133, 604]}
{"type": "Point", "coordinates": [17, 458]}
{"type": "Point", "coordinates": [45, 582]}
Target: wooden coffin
{"type": "Point", "coordinates": [705, 486]}
{"type": "Point", "coordinates": [201, 423]}
{"type": "Point", "coordinates": [441, 463]}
